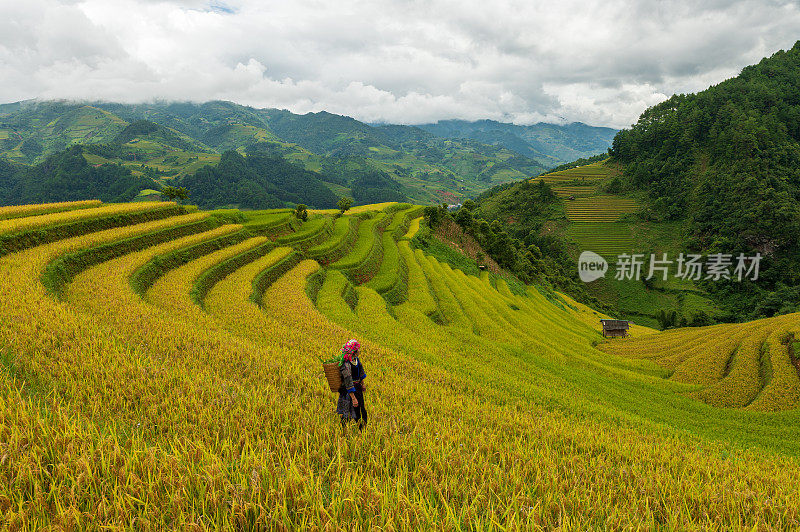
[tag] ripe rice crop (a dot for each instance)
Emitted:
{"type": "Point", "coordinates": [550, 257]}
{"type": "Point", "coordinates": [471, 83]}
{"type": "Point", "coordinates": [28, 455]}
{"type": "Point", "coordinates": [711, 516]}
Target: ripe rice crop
{"type": "Point", "coordinates": [413, 228]}
{"type": "Point", "coordinates": [123, 411]}
{"type": "Point", "coordinates": [173, 290]}
{"type": "Point", "coordinates": [364, 259]}
{"type": "Point", "coordinates": [729, 362]}
{"type": "Point", "coordinates": [17, 225]}
{"type": "Point", "coordinates": [18, 211]}
{"type": "Point", "coordinates": [390, 269]}
{"type": "Point", "coordinates": [312, 233]}
{"type": "Point", "coordinates": [272, 223]}
{"type": "Point", "coordinates": [339, 243]}
{"type": "Point", "coordinates": [419, 294]}
{"type": "Point", "coordinates": [373, 207]}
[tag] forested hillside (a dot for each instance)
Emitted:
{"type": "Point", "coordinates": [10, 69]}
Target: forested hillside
{"type": "Point", "coordinates": [727, 161]}
{"type": "Point", "coordinates": [66, 176]}
{"type": "Point", "coordinates": [257, 182]}
{"type": "Point", "coordinates": [712, 172]}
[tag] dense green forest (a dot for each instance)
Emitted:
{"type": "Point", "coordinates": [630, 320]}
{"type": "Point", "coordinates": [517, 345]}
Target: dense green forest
{"type": "Point", "coordinates": [727, 161]}
{"type": "Point", "coordinates": [66, 176]}
{"type": "Point", "coordinates": [256, 182]}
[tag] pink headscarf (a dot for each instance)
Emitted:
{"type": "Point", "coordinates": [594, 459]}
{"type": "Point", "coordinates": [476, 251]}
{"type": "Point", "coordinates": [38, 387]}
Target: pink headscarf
{"type": "Point", "coordinates": [350, 350]}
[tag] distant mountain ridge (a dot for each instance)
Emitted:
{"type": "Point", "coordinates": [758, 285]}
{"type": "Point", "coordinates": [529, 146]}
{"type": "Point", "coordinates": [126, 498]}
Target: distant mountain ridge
{"type": "Point", "coordinates": [550, 143]}
{"type": "Point", "coordinates": [174, 140]}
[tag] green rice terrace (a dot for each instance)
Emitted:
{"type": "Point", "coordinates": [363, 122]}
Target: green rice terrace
{"type": "Point", "coordinates": [160, 366]}
{"type": "Point", "coordinates": [607, 224]}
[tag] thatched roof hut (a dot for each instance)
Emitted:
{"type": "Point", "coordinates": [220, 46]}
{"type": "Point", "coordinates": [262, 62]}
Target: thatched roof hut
{"type": "Point", "coordinates": [615, 328]}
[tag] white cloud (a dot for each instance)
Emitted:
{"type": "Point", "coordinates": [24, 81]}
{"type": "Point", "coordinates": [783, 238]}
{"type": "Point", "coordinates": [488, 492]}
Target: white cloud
{"type": "Point", "coordinates": [401, 61]}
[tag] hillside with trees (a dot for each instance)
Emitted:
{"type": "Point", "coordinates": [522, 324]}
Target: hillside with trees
{"type": "Point", "coordinates": [727, 162]}
{"type": "Point", "coordinates": [712, 172]}
{"type": "Point", "coordinates": [66, 176]}
{"type": "Point", "coordinates": [257, 182]}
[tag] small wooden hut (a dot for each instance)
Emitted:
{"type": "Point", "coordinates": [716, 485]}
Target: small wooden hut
{"type": "Point", "coordinates": [615, 328]}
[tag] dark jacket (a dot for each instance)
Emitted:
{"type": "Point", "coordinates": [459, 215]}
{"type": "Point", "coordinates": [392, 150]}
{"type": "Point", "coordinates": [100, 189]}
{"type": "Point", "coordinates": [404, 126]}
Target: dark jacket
{"type": "Point", "coordinates": [352, 375]}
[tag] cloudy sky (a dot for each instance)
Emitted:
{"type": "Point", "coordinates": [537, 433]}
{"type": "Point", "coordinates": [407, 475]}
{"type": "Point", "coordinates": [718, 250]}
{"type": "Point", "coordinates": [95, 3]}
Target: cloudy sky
{"type": "Point", "coordinates": [400, 61]}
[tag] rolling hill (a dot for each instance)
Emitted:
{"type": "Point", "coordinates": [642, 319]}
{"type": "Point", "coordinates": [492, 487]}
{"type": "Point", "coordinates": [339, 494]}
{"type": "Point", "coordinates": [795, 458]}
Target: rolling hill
{"type": "Point", "coordinates": [173, 140]}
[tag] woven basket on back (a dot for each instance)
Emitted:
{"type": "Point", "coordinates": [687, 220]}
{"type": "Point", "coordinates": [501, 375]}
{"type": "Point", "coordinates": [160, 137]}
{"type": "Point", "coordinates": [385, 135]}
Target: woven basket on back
{"type": "Point", "coordinates": [333, 375]}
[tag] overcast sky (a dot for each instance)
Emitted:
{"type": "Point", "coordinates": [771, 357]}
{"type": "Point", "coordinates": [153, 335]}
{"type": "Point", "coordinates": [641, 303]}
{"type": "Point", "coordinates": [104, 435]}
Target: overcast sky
{"type": "Point", "coordinates": [399, 61]}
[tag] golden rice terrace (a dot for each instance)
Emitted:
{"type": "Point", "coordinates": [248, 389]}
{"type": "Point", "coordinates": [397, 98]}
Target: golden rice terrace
{"type": "Point", "coordinates": [159, 368]}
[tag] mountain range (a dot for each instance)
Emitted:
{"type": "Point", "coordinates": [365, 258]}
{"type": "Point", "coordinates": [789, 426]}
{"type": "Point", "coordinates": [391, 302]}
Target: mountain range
{"type": "Point", "coordinates": [431, 163]}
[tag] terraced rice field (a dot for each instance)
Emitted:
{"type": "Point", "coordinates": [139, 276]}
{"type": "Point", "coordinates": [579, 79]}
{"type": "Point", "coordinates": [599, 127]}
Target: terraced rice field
{"type": "Point", "coordinates": [567, 191]}
{"type": "Point", "coordinates": [594, 214]}
{"type": "Point", "coordinates": [606, 239]}
{"type": "Point", "coordinates": [599, 208]}
{"type": "Point", "coordinates": [581, 181]}
{"type": "Point", "coordinates": [588, 205]}
{"type": "Point", "coordinates": [160, 369]}
{"type": "Point", "coordinates": [734, 365]}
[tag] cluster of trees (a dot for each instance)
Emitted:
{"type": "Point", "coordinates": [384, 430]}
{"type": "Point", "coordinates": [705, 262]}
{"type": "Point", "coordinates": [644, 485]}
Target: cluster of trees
{"type": "Point", "coordinates": [531, 258]}
{"type": "Point", "coordinates": [727, 160]}
{"type": "Point", "coordinates": [523, 207]}
{"type": "Point", "coordinates": [374, 186]}
{"type": "Point", "coordinates": [257, 182]}
{"type": "Point", "coordinates": [66, 176]}
{"type": "Point", "coordinates": [670, 318]}
{"type": "Point", "coordinates": [367, 183]}
{"type": "Point", "coordinates": [509, 253]}
{"type": "Point", "coordinates": [175, 193]}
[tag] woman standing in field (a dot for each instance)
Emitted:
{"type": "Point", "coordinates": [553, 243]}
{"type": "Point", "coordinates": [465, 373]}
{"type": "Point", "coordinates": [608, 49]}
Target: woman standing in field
{"type": "Point", "coordinates": [351, 395]}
